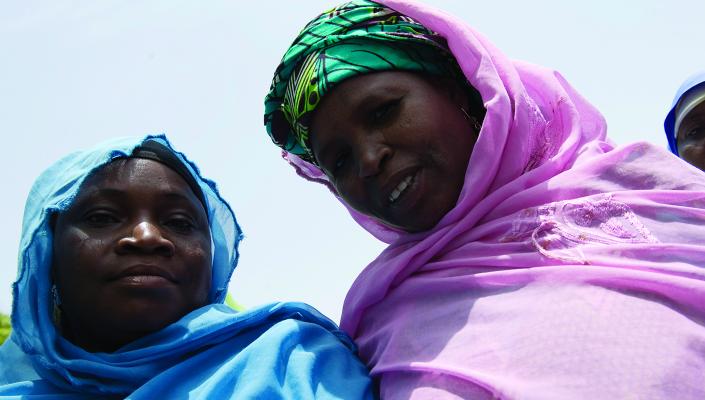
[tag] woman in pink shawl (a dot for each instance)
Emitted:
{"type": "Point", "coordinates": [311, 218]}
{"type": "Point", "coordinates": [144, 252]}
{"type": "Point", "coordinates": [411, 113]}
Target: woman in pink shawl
{"type": "Point", "coordinates": [528, 258]}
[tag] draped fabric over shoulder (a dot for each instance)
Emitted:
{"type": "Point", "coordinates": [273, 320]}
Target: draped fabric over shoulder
{"type": "Point", "coordinates": [569, 268]}
{"type": "Point", "coordinates": [282, 350]}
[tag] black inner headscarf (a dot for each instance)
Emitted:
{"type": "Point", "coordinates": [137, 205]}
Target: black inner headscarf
{"type": "Point", "coordinates": [155, 151]}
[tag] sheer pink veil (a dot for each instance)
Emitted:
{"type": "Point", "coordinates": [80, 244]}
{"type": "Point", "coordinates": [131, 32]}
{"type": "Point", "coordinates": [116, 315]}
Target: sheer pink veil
{"type": "Point", "coordinates": [547, 199]}
{"type": "Point", "coordinates": [536, 126]}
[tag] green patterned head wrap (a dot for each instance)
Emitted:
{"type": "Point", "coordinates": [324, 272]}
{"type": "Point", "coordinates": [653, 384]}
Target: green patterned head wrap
{"type": "Point", "coordinates": [355, 38]}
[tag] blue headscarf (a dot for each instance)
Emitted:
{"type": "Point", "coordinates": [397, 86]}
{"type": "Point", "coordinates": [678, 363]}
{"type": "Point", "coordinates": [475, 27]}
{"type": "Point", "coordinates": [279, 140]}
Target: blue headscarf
{"type": "Point", "coordinates": [282, 350]}
{"type": "Point", "coordinates": [694, 81]}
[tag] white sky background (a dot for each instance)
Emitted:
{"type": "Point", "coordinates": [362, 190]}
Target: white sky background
{"type": "Point", "coordinates": [73, 73]}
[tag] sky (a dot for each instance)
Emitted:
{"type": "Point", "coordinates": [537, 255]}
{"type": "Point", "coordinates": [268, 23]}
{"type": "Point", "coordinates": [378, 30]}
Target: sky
{"type": "Point", "coordinates": [74, 73]}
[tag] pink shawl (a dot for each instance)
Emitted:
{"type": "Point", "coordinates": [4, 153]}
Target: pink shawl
{"type": "Point", "coordinates": [568, 269]}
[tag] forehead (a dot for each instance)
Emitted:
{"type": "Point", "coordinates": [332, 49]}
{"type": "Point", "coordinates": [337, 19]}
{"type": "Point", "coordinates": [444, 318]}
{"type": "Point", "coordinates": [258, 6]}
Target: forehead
{"type": "Point", "coordinates": [694, 116]}
{"type": "Point", "coordinates": [136, 175]}
{"type": "Point", "coordinates": [356, 88]}
{"type": "Point", "coordinates": [697, 111]}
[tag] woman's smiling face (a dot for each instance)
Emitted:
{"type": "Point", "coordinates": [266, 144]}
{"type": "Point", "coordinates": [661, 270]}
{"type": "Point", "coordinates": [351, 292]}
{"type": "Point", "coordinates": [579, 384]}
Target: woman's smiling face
{"type": "Point", "coordinates": [131, 254]}
{"type": "Point", "coordinates": [395, 145]}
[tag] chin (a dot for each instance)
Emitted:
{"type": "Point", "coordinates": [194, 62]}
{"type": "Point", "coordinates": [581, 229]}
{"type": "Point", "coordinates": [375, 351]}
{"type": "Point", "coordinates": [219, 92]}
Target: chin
{"type": "Point", "coordinates": [150, 318]}
{"type": "Point", "coordinates": [147, 324]}
{"type": "Point", "coordinates": [429, 222]}
{"type": "Point", "coordinates": [419, 225]}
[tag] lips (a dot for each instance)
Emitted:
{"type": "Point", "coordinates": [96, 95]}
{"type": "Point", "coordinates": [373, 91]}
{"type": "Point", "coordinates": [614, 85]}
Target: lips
{"type": "Point", "coordinates": [401, 188]}
{"type": "Point", "coordinates": [145, 274]}
{"type": "Point", "coordinates": [398, 186]}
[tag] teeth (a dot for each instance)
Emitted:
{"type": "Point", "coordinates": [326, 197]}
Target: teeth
{"type": "Point", "coordinates": [400, 189]}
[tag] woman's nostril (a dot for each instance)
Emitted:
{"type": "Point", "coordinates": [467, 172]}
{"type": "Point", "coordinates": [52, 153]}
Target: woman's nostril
{"type": "Point", "coordinates": [146, 237]}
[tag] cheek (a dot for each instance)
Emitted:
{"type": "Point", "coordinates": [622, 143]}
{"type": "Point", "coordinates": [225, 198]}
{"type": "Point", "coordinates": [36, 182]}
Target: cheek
{"type": "Point", "coordinates": [700, 144]}
{"type": "Point", "coordinates": [76, 269]}
{"type": "Point", "coordinates": [694, 154]}
{"type": "Point", "coordinates": [693, 149]}
{"type": "Point", "coordinates": [197, 257]}
{"type": "Point", "coordinates": [452, 142]}
{"type": "Point", "coordinates": [354, 194]}
{"type": "Point", "coordinates": [436, 125]}
{"type": "Point", "coordinates": [74, 250]}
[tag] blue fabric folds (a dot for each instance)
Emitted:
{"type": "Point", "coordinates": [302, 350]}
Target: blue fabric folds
{"type": "Point", "coordinates": [693, 81]}
{"type": "Point", "coordinates": [282, 350]}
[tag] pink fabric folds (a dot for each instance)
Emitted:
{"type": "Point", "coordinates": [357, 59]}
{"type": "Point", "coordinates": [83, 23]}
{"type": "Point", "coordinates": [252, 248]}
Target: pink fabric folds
{"type": "Point", "coordinates": [569, 269]}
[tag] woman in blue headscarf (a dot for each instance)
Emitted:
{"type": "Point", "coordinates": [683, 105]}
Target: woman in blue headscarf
{"type": "Point", "coordinates": [125, 257]}
{"type": "Point", "coordinates": [685, 121]}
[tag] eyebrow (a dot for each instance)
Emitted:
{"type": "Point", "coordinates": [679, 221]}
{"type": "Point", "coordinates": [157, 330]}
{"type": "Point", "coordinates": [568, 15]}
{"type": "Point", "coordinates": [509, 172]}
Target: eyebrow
{"type": "Point", "coordinates": [113, 193]}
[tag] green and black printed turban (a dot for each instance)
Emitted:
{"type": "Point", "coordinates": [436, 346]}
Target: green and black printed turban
{"type": "Point", "coordinates": [355, 38]}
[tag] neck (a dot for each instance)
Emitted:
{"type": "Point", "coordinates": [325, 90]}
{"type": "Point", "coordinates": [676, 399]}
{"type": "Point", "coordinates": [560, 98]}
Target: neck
{"type": "Point", "coordinates": [102, 339]}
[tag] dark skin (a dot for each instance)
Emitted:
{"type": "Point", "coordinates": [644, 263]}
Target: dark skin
{"type": "Point", "coordinates": [131, 255]}
{"type": "Point", "coordinates": [691, 137]}
{"type": "Point", "coordinates": [396, 145]}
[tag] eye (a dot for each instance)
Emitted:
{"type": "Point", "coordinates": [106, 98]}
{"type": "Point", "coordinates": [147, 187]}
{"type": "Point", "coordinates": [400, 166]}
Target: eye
{"type": "Point", "coordinates": [340, 161]}
{"type": "Point", "coordinates": [180, 223]}
{"type": "Point", "coordinates": [101, 218]}
{"type": "Point", "coordinates": [335, 165]}
{"type": "Point", "coordinates": [384, 111]}
{"type": "Point", "coordinates": [695, 133]}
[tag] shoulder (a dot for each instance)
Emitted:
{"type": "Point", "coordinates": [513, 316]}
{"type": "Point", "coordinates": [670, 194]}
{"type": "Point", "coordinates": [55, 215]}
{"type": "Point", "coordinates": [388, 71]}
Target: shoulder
{"type": "Point", "coordinates": [22, 369]}
{"type": "Point", "coordinates": [296, 330]}
{"type": "Point", "coordinates": [307, 352]}
{"type": "Point", "coordinates": [275, 351]}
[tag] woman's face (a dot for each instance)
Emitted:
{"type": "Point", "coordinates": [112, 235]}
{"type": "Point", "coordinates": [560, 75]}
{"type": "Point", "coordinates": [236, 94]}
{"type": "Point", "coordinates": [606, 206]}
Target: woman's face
{"type": "Point", "coordinates": [131, 255]}
{"type": "Point", "coordinates": [691, 137]}
{"type": "Point", "coordinates": [395, 145]}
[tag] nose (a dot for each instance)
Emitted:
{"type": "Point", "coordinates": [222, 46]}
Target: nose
{"type": "Point", "coordinates": [373, 155]}
{"type": "Point", "coordinates": [146, 238]}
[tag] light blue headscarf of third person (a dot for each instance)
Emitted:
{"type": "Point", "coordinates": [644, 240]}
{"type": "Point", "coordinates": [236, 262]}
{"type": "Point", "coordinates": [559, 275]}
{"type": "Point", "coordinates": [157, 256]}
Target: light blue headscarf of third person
{"type": "Point", "coordinates": [694, 85]}
{"type": "Point", "coordinates": [282, 350]}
